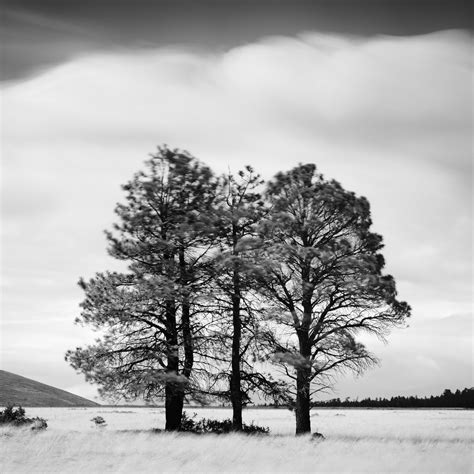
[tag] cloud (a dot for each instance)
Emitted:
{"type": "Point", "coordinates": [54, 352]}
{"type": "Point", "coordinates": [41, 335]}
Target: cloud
{"type": "Point", "coordinates": [388, 117]}
{"type": "Point", "coordinates": [37, 35]}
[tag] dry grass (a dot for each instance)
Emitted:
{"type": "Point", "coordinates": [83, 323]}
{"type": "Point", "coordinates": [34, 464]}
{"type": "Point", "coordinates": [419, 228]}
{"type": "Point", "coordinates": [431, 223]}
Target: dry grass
{"type": "Point", "coordinates": [359, 441]}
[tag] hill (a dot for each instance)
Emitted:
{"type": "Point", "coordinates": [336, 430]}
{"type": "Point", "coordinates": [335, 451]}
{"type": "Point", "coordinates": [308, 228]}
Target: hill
{"type": "Point", "coordinates": [18, 390]}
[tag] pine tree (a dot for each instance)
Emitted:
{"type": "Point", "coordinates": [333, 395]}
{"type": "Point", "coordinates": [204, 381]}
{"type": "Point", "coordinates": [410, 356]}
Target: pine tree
{"type": "Point", "coordinates": [236, 266]}
{"type": "Point", "coordinates": [147, 314]}
{"type": "Point", "coordinates": [324, 279]}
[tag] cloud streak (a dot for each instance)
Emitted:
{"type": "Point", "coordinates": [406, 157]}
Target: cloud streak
{"type": "Point", "coordinates": [38, 35]}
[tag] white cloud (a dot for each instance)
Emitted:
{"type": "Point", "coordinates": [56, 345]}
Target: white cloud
{"type": "Point", "coordinates": [389, 117]}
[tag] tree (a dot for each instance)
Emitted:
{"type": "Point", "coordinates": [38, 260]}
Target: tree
{"type": "Point", "coordinates": [324, 280]}
{"type": "Point", "coordinates": [148, 316]}
{"type": "Point", "coordinates": [235, 269]}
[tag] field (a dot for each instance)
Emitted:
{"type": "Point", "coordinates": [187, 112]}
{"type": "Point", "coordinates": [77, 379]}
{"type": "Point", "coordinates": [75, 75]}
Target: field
{"type": "Point", "coordinates": [357, 440]}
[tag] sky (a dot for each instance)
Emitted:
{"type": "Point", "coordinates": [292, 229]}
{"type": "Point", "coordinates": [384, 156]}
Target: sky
{"type": "Point", "coordinates": [377, 93]}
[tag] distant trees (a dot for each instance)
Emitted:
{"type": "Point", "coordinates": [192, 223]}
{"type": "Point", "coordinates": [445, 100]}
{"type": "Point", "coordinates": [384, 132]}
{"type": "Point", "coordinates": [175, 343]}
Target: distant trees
{"type": "Point", "coordinates": [459, 399]}
{"type": "Point", "coordinates": [223, 275]}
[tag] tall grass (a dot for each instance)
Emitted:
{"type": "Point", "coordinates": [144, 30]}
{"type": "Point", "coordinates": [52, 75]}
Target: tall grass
{"type": "Point", "coordinates": [360, 441]}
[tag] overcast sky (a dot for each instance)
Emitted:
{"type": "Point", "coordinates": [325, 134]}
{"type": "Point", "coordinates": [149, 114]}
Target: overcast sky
{"type": "Point", "coordinates": [376, 93]}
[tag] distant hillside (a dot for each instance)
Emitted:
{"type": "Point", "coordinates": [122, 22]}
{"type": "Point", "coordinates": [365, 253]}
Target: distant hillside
{"type": "Point", "coordinates": [18, 390]}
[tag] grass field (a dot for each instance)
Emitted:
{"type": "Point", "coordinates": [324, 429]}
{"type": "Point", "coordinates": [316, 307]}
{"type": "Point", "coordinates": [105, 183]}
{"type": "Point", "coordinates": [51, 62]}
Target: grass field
{"type": "Point", "coordinates": [376, 441]}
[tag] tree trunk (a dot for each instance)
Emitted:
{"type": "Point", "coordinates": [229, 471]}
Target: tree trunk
{"type": "Point", "coordinates": [235, 380]}
{"type": "Point", "coordinates": [174, 393]}
{"type": "Point", "coordinates": [303, 373]}
{"type": "Point", "coordinates": [186, 319]}
{"type": "Point", "coordinates": [187, 340]}
{"type": "Point", "coordinates": [174, 406]}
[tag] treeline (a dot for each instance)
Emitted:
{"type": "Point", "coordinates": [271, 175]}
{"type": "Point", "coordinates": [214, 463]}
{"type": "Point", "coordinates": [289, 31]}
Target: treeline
{"type": "Point", "coordinates": [228, 274]}
{"type": "Point", "coordinates": [458, 399]}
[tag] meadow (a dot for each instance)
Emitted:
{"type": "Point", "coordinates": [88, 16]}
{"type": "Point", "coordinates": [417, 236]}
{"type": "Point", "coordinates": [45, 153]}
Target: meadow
{"type": "Point", "coordinates": [357, 440]}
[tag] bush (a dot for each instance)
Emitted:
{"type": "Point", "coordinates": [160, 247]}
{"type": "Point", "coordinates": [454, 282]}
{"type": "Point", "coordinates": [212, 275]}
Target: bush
{"type": "Point", "coordinates": [39, 423]}
{"type": "Point", "coordinates": [17, 417]}
{"type": "Point", "coordinates": [206, 425]}
{"type": "Point", "coordinates": [99, 422]}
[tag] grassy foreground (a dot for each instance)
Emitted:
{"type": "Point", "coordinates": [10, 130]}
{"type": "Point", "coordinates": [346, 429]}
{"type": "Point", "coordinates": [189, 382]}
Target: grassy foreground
{"type": "Point", "coordinates": [100, 451]}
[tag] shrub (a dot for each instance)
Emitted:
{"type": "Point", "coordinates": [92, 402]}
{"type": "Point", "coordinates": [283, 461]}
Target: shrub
{"type": "Point", "coordinates": [206, 425]}
{"type": "Point", "coordinates": [99, 422]}
{"type": "Point", "coordinates": [39, 423]}
{"type": "Point", "coordinates": [17, 417]}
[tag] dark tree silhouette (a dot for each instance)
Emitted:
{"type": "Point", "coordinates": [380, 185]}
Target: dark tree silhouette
{"type": "Point", "coordinates": [236, 267]}
{"type": "Point", "coordinates": [324, 279]}
{"type": "Point", "coordinates": [146, 315]}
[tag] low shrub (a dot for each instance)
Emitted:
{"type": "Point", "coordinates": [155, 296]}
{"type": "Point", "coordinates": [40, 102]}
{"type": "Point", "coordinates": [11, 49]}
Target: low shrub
{"type": "Point", "coordinates": [206, 425]}
{"type": "Point", "coordinates": [99, 422]}
{"type": "Point", "coordinates": [17, 417]}
{"type": "Point", "coordinates": [39, 423]}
